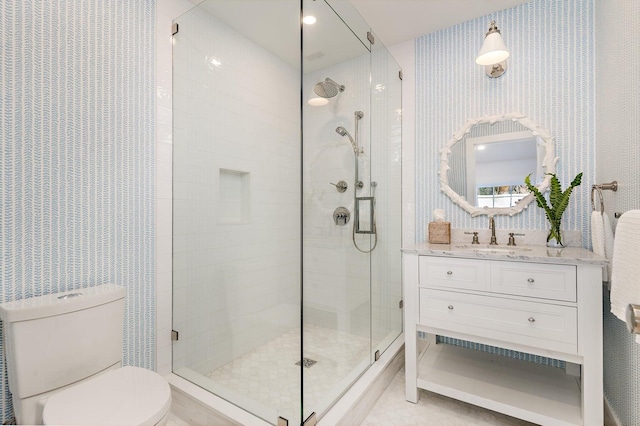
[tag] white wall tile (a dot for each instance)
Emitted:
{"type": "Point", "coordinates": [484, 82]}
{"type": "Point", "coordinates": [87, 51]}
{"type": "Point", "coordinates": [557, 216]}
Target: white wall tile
{"type": "Point", "coordinates": [233, 264]}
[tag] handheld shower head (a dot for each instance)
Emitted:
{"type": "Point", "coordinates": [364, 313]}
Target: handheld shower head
{"type": "Point", "coordinates": [328, 88]}
{"type": "Point", "coordinates": [343, 132]}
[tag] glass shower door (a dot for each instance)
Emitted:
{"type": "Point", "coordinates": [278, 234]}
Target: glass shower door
{"type": "Point", "coordinates": [286, 247]}
{"type": "Point", "coordinates": [236, 198]}
{"type": "Point", "coordinates": [336, 179]}
{"type": "Point", "coordinates": [386, 171]}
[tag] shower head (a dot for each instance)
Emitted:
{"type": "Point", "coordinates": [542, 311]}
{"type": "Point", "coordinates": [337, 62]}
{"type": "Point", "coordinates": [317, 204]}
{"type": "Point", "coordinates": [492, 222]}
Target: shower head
{"type": "Point", "coordinates": [328, 88]}
{"type": "Point", "coordinates": [343, 132]}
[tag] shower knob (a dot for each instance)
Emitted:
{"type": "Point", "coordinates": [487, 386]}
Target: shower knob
{"type": "Point", "coordinates": [341, 186]}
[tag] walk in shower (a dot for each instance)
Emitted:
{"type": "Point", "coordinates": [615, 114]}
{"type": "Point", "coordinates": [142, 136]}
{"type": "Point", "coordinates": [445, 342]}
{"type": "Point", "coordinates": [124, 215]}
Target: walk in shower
{"type": "Point", "coordinates": [286, 202]}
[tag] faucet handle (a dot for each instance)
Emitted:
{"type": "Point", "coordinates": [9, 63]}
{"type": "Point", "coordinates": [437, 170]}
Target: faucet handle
{"type": "Point", "coordinates": [475, 238]}
{"type": "Point", "coordinates": [512, 239]}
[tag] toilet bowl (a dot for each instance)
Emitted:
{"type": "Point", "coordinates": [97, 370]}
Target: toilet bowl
{"type": "Point", "coordinates": [125, 396]}
{"type": "Point", "coordinates": [64, 362]}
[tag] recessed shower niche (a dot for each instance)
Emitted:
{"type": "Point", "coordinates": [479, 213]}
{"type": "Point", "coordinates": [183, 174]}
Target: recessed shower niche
{"type": "Point", "coordinates": [234, 197]}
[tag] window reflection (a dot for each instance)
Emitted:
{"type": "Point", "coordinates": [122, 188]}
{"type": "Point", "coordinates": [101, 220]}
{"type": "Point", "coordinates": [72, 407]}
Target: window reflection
{"type": "Point", "coordinates": [500, 196]}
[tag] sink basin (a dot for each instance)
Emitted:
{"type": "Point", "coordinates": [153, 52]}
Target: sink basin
{"type": "Point", "coordinates": [492, 249]}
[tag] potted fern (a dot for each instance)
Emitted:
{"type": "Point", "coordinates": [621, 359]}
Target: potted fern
{"type": "Point", "coordinates": [559, 201]}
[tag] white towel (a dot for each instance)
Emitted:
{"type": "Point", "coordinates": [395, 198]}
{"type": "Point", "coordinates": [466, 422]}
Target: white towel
{"type": "Point", "coordinates": [602, 240]}
{"type": "Point", "coordinates": [625, 274]}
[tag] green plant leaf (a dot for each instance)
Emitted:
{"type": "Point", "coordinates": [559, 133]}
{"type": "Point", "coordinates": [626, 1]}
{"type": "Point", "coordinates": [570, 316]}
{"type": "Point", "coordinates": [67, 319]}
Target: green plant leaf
{"type": "Point", "coordinates": [577, 180]}
{"type": "Point", "coordinates": [559, 200]}
{"type": "Point", "coordinates": [540, 200]}
{"type": "Point", "coordinates": [556, 191]}
{"type": "Point", "coordinates": [564, 199]}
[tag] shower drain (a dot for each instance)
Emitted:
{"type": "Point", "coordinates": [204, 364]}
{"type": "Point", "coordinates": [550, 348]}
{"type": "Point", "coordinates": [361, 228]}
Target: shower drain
{"type": "Point", "coordinates": [306, 362]}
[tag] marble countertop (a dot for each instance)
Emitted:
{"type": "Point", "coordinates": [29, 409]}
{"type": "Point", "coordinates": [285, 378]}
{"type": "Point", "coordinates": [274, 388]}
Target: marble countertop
{"type": "Point", "coordinates": [524, 253]}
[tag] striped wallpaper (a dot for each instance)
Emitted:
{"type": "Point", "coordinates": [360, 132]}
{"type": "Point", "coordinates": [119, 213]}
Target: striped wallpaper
{"type": "Point", "coordinates": [618, 158]}
{"type": "Point", "coordinates": [550, 78]}
{"type": "Point", "coordinates": [77, 134]}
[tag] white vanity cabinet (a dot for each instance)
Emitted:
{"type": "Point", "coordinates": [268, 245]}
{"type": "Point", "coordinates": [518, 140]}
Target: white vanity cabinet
{"type": "Point", "coordinates": [545, 302]}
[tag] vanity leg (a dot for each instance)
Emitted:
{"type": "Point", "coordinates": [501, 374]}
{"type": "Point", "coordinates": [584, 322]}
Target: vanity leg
{"type": "Point", "coordinates": [572, 369]}
{"type": "Point", "coordinates": [411, 305]}
{"type": "Point", "coordinates": [411, 365]}
{"type": "Point", "coordinates": [590, 341]}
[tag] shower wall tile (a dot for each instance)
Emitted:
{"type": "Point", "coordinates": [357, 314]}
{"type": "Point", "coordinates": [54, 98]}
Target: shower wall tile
{"type": "Point", "coordinates": [336, 275]}
{"type": "Point", "coordinates": [550, 79]}
{"type": "Point", "coordinates": [618, 158]}
{"type": "Point", "coordinates": [344, 288]}
{"type": "Point", "coordinates": [236, 276]}
{"type": "Point", "coordinates": [405, 54]}
{"type": "Point", "coordinates": [78, 158]}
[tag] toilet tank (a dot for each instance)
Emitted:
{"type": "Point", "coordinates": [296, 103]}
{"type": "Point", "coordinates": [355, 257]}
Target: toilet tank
{"type": "Point", "coordinates": [58, 339]}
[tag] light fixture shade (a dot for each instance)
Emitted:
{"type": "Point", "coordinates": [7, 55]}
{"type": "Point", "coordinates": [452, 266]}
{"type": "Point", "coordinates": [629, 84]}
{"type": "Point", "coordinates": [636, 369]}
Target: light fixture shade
{"type": "Point", "coordinates": [493, 50]}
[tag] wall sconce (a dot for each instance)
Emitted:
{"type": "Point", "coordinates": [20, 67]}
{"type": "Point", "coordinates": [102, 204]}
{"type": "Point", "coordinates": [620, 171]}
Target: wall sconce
{"type": "Point", "coordinates": [493, 55]}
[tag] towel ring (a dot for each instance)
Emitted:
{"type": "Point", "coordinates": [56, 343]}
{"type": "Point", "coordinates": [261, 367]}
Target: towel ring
{"type": "Point", "coordinates": [611, 186]}
{"type": "Point", "coordinates": [597, 188]}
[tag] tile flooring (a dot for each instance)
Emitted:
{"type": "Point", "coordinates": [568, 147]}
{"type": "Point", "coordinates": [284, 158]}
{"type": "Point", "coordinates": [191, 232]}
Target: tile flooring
{"type": "Point", "coordinates": [338, 356]}
{"type": "Point", "coordinates": [432, 409]}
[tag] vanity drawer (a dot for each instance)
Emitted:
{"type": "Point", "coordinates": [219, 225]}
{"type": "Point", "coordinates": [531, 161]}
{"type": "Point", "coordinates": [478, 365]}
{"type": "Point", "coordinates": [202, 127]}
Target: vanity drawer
{"type": "Point", "coordinates": [470, 274]}
{"type": "Point", "coordinates": [529, 323]}
{"type": "Point", "coordinates": [555, 282]}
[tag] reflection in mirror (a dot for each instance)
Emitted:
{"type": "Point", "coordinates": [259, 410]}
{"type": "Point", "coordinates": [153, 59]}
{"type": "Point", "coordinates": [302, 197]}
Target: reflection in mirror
{"type": "Point", "coordinates": [483, 166]}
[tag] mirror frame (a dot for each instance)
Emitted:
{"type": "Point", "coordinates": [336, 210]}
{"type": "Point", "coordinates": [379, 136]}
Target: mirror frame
{"type": "Point", "coordinates": [548, 164]}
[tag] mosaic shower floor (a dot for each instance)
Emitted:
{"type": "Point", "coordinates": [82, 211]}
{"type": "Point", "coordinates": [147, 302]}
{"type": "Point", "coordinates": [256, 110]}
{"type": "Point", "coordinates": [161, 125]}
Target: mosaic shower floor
{"type": "Point", "coordinates": [270, 375]}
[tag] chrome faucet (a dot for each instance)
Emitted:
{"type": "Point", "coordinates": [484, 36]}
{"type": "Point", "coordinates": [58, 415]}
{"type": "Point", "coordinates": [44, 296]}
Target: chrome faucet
{"type": "Point", "coordinates": [492, 226]}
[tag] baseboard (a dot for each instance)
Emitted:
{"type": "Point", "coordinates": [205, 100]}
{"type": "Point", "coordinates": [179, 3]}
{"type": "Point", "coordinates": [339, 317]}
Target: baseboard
{"type": "Point", "coordinates": [197, 406]}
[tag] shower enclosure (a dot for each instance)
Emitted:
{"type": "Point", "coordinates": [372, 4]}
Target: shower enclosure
{"type": "Point", "coordinates": [286, 202]}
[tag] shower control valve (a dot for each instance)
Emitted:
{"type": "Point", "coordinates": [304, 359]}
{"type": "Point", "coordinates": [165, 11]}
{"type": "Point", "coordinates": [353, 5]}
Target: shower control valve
{"type": "Point", "coordinates": [341, 186]}
{"type": "Point", "coordinates": [341, 216]}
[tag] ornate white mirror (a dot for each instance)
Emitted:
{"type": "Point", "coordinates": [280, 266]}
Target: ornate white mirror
{"type": "Point", "coordinates": [483, 166]}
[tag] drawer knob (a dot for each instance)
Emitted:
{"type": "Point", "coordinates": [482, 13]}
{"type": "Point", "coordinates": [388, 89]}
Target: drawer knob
{"type": "Point", "coordinates": [530, 280]}
{"type": "Point", "coordinates": [532, 319]}
{"type": "Point", "coordinates": [449, 272]}
{"type": "Point", "coordinates": [450, 307]}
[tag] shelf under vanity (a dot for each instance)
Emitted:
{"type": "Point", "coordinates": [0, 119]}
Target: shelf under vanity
{"type": "Point", "coordinates": [511, 386]}
{"type": "Point", "coordinates": [545, 302]}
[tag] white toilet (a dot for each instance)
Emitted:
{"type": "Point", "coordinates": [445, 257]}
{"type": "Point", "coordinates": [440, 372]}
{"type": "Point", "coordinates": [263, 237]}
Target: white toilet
{"type": "Point", "coordinates": [64, 359]}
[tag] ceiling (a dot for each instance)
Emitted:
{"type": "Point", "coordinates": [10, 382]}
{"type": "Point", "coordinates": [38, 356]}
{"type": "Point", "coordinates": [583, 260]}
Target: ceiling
{"type": "Point", "coordinates": [274, 24]}
{"type": "Point", "coordinates": [395, 21]}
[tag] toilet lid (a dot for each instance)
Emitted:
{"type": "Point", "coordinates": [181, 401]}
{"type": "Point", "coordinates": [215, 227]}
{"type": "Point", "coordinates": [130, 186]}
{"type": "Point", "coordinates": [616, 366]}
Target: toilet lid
{"type": "Point", "coordinates": [126, 396]}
